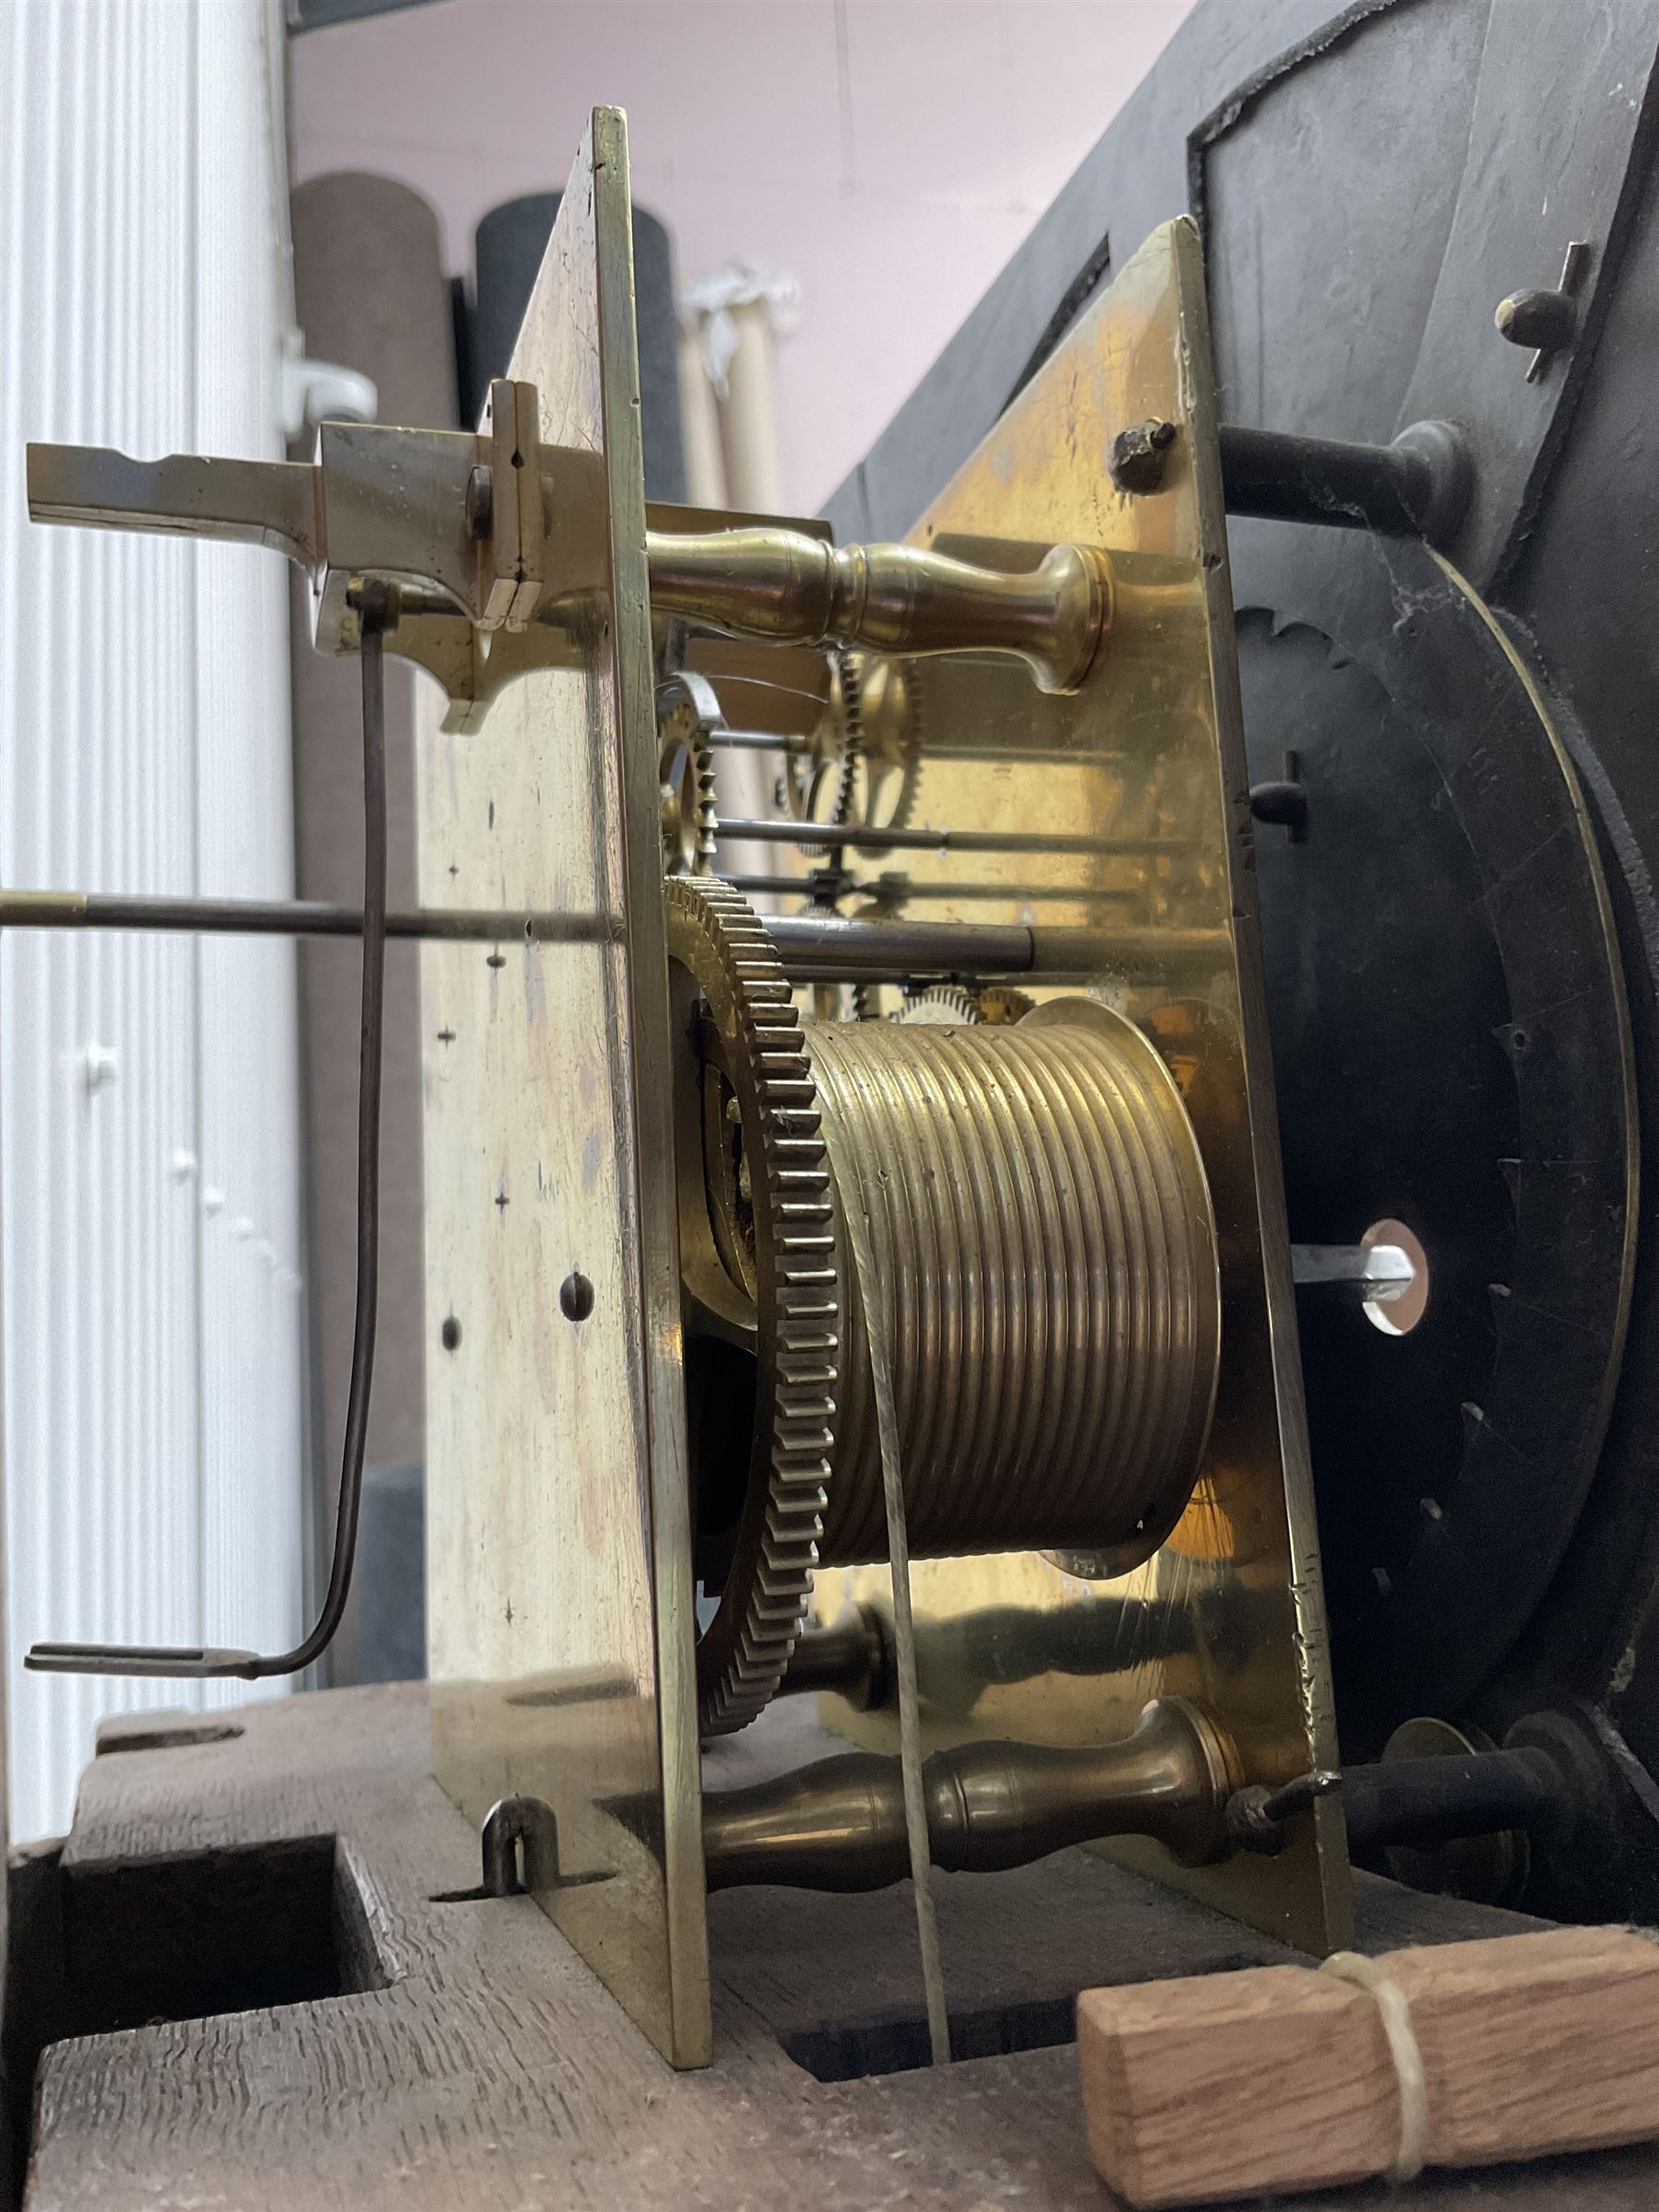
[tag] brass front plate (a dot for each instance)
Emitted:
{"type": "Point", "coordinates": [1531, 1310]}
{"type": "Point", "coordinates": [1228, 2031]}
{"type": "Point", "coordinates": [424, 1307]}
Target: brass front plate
{"type": "Point", "coordinates": [559, 1575]}
{"type": "Point", "coordinates": [1125, 810]}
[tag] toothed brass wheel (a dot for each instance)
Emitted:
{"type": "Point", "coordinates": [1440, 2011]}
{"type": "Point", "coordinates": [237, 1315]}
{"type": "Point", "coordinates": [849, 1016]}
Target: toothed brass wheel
{"type": "Point", "coordinates": [883, 770]}
{"type": "Point", "coordinates": [943, 1006]}
{"type": "Point", "coordinates": [687, 714]}
{"type": "Point", "coordinates": [862, 768]}
{"type": "Point", "coordinates": [763, 1314]}
{"type": "Point", "coordinates": [1043, 1245]}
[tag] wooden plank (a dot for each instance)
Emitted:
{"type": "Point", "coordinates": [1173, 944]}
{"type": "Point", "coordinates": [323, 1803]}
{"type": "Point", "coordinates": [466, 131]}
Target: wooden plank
{"type": "Point", "coordinates": [493, 2067]}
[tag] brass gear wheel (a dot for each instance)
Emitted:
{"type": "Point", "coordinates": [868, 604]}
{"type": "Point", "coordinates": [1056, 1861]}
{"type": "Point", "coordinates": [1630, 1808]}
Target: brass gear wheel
{"type": "Point", "coordinates": [759, 1263]}
{"type": "Point", "coordinates": [881, 767]}
{"type": "Point", "coordinates": [816, 787]}
{"type": "Point", "coordinates": [688, 713]}
{"type": "Point", "coordinates": [863, 766]}
{"type": "Point", "coordinates": [849, 690]}
{"type": "Point", "coordinates": [945, 1006]}
{"type": "Point", "coordinates": [1001, 1005]}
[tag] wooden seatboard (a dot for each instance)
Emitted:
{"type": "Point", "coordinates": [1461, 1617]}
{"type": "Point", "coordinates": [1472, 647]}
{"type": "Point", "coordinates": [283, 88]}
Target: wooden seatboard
{"type": "Point", "coordinates": [495, 2068]}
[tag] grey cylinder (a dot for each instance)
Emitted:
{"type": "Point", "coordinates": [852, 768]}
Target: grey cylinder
{"type": "Point", "coordinates": [508, 247]}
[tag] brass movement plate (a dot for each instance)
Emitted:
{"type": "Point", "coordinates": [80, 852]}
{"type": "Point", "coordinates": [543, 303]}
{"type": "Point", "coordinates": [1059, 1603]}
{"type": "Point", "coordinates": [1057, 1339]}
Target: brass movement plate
{"type": "Point", "coordinates": [559, 1575]}
{"type": "Point", "coordinates": [1126, 811]}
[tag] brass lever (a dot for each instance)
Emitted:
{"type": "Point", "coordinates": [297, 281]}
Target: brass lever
{"type": "Point", "coordinates": [271, 503]}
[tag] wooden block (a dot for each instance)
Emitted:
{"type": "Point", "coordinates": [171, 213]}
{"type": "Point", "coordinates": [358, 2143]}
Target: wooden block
{"type": "Point", "coordinates": [1283, 2079]}
{"type": "Point", "coordinates": [1229, 2085]}
{"type": "Point", "coordinates": [1536, 2043]}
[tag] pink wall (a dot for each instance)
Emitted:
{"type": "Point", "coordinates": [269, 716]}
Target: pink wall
{"type": "Point", "coordinates": [890, 154]}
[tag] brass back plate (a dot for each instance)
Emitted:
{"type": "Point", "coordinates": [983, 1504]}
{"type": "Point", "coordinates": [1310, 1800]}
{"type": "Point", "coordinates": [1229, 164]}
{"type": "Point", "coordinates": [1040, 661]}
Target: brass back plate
{"type": "Point", "coordinates": [558, 1574]}
{"type": "Point", "coordinates": [1125, 812]}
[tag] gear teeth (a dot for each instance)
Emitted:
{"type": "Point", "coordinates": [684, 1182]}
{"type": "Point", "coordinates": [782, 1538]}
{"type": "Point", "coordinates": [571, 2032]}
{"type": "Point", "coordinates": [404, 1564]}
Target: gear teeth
{"type": "Point", "coordinates": [903, 806]}
{"type": "Point", "coordinates": [842, 745]}
{"type": "Point", "coordinates": [1001, 1004]}
{"type": "Point", "coordinates": [679, 723]}
{"type": "Point", "coordinates": [852, 693]}
{"type": "Point", "coordinates": [742, 1654]}
{"type": "Point", "coordinates": [836, 747]}
{"type": "Point", "coordinates": [945, 1006]}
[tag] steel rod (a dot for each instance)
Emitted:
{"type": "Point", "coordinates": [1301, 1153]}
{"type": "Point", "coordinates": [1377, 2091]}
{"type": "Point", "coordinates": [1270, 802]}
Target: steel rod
{"type": "Point", "coordinates": [814, 948]}
{"type": "Point", "coordinates": [939, 748]}
{"type": "Point", "coordinates": [826, 949]}
{"type": "Point", "coordinates": [789, 886]}
{"type": "Point", "coordinates": [289, 918]}
{"type": "Point", "coordinates": [1377, 1273]}
{"type": "Point", "coordinates": [756, 741]}
{"type": "Point", "coordinates": [874, 886]}
{"type": "Point", "coordinates": [924, 840]}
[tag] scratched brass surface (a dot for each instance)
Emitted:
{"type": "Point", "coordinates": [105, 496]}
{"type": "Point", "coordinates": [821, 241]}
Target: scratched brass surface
{"type": "Point", "coordinates": [558, 1576]}
{"type": "Point", "coordinates": [1145, 768]}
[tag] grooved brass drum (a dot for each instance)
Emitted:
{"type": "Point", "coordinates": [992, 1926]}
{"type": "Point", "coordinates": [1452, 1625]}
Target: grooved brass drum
{"type": "Point", "coordinates": [1041, 1233]}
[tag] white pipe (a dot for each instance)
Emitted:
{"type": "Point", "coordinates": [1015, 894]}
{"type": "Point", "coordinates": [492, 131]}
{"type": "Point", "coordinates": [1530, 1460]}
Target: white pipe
{"type": "Point", "coordinates": [700, 425]}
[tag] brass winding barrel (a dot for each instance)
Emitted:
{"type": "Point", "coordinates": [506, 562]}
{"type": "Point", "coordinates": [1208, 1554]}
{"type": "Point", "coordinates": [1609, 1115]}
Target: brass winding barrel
{"type": "Point", "coordinates": [1040, 1232]}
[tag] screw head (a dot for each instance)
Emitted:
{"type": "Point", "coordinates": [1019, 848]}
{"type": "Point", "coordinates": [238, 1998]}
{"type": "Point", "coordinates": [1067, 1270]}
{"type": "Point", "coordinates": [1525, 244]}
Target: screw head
{"type": "Point", "coordinates": [1139, 455]}
{"type": "Point", "coordinates": [576, 1295]}
{"type": "Point", "coordinates": [378, 601]}
{"type": "Point", "coordinates": [449, 1335]}
{"type": "Point", "coordinates": [1542, 321]}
